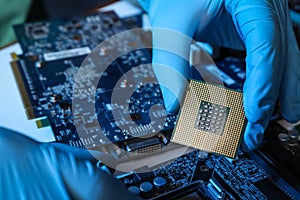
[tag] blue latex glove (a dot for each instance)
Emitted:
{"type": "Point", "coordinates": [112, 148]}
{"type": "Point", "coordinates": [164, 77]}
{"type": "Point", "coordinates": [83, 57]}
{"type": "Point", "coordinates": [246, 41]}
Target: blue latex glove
{"type": "Point", "coordinates": [260, 27]}
{"type": "Point", "coordinates": [32, 170]}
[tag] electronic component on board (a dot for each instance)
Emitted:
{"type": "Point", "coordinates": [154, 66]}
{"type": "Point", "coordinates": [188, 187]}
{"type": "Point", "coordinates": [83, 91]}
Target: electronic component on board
{"type": "Point", "coordinates": [211, 119]}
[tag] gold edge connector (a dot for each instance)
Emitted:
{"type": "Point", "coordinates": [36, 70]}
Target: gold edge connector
{"type": "Point", "coordinates": [14, 56]}
{"type": "Point", "coordinates": [21, 86]}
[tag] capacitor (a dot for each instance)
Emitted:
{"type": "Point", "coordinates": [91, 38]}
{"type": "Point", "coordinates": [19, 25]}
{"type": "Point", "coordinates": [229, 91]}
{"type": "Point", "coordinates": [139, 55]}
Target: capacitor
{"type": "Point", "coordinates": [293, 138]}
{"type": "Point", "coordinates": [159, 184]}
{"type": "Point", "coordinates": [146, 189]}
{"type": "Point", "coordinates": [134, 190]}
{"type": "Point", "coordinates": [283, 137]}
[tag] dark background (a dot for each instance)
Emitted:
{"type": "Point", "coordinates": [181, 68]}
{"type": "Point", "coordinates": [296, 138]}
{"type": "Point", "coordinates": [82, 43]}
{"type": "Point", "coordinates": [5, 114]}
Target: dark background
{"type": "Point", "coordinates": [54, 9]}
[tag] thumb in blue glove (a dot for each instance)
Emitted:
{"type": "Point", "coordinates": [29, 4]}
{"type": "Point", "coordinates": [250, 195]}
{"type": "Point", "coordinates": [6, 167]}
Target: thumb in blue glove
{"type": "Point", "coordinates": [262, 28]}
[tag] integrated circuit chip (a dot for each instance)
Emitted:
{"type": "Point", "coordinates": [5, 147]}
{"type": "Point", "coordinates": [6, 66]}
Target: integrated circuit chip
{"type": "Point", "coordinates": [211, 119]}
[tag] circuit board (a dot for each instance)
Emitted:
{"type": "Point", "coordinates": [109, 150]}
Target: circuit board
{"type": "Point", "coordinates": [40, 38]}
{"type": "Point", "coordinates": [208, 176]}
{"type": "Point", "coordinates": [49, 78]}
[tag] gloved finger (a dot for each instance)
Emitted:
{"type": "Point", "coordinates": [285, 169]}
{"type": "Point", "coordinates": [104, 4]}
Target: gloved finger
{"type": "Point", "coordinates": [26, 172]}
{"type": "Point", "coordinates": [290, 88]}
{"type": "Point", "coordinates": [221, 31]}
{"type": "Point", "coordinates": [83, 180]}
{"type": "Point", "coordinates": [92, 155]}
{"type": "Point", "coordinates": [78, 152]}
{"type": "Point", "coordinates": [264, 35]}
{"type": "Point", "coordinates": [145, 4]}
{"type": "Point", "coordinates": [172, 50]}
{"type": "Point", "coordinates": [31, 170]}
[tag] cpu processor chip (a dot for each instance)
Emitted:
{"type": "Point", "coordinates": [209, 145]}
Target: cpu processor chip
{"type": "Point", "coordinates": [211, 119]}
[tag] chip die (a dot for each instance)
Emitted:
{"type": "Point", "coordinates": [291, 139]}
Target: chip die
{"type": "Point", "coordinates": [211, 119]}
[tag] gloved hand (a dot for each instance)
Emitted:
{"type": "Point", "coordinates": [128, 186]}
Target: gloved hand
{"type": "Point", "coordinates": [32, 170]}
{"type": "Point", "coordinates": [260, 27]}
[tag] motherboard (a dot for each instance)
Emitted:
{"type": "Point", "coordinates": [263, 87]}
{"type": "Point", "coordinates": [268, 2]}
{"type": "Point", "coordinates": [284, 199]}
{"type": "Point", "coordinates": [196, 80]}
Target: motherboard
{"type": "Point", "coordinates": [199, 175]}
{"type": "Point", "coordinates": [63, 68]}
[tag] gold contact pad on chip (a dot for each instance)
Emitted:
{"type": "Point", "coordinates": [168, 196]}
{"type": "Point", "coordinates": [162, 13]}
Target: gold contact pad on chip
{"type": "Point", "coordinates": [194, 129]}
